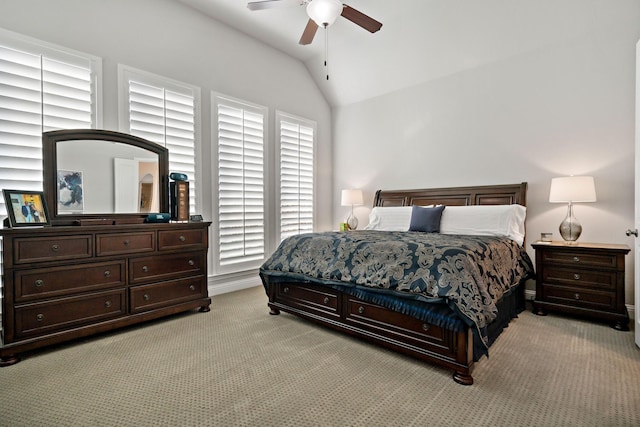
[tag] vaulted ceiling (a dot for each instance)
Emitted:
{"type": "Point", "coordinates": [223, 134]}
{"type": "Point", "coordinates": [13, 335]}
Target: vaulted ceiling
{"type": "Point", "coordinates": [420, 40]}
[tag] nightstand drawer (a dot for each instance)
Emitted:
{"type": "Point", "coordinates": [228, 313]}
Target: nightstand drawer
{"type": "Point", "coordinates": [580, 297]}
{"type": "Point", "coordinates": [579, 277]}
{"type": "Point", "coordinates": [577, 258]}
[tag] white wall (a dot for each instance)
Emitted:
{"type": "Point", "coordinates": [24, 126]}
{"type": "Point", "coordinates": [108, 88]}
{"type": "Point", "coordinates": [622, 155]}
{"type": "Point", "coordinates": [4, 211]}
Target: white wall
{"type": "Point", "coordinates": [165, 37]}
{"type": "Point", "coordinates": [564, 109]}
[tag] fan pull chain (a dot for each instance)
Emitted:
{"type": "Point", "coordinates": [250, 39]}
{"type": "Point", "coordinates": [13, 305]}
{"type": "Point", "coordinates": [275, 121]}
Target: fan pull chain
{"type": "Point", "coordinates": [326, 50]}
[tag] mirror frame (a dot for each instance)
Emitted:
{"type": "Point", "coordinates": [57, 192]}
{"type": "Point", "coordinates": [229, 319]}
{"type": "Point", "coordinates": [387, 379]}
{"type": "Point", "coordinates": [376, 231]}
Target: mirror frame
{"type": "Point", "coordinates": [50, 142]}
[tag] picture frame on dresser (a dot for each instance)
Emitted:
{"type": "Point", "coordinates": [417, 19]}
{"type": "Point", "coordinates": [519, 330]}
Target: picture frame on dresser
{"type": "Point", "coordinates": [26, 208]}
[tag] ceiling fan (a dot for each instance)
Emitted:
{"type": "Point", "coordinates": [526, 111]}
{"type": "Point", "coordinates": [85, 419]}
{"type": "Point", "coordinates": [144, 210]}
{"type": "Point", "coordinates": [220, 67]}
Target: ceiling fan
{"type": "Point", "coordinates": [321, 13]}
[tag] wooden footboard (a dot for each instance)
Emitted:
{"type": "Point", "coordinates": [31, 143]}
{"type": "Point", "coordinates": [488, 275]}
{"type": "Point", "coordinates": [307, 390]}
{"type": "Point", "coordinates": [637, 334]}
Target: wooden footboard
{"type": "Point", "coordinates": [397, 331]}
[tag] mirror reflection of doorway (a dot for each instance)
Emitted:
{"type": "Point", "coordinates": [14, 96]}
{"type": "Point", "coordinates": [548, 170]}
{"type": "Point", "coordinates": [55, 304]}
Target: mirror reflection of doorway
{"type": "Point", "coordinates": [146, 193]}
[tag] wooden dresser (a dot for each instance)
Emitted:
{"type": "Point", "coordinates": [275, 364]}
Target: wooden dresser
{"type": "Point", "coordinates": [584, 279]}
{"type": "Point", "coordinates": [63, 283]}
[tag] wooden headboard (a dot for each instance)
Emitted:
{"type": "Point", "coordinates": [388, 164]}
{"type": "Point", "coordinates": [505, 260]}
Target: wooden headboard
{"type": "Point", "coordinates": [455, 196]}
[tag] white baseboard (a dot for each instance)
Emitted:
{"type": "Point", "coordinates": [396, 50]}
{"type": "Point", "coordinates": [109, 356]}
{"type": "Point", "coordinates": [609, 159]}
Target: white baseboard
{"type": "Point", "coordinates": [217, 287]}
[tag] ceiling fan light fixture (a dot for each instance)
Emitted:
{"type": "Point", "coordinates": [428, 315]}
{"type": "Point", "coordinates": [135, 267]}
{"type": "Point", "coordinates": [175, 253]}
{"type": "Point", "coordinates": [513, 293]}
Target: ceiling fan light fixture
{"type": "Point", "coordinates": [324, 12]}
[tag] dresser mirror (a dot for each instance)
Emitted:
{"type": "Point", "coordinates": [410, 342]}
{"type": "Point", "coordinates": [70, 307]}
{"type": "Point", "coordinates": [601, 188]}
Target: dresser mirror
{"type": "Point", "coordinates": [94, 175]}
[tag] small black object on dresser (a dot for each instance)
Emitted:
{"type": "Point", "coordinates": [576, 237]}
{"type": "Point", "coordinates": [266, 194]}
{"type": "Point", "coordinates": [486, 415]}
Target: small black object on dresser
{"type": "Point", "coordinates": [584, 279]}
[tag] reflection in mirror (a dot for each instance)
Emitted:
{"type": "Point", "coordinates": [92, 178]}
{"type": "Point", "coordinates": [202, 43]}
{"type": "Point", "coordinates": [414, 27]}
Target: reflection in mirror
{"type": "Point", "coordinates": [97, 175]}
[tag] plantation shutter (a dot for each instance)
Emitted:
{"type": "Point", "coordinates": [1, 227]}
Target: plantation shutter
{"type": "Point", "coordinates": [167, 118]}
{"type": "Point", "coordinates": [296, 177]}
{"type": "Point", "coordinates": [241, 219]}
{"type": "Point", "coordinates": [38, 94]}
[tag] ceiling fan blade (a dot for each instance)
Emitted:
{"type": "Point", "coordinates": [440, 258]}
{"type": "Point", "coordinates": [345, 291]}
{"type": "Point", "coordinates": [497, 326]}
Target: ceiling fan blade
{"type": "Point", "coordinates": [361, 19]}
{"type": "Point", "coordinates": [309, 32]}
{"type": "Point", "coordinates": [272, 4]}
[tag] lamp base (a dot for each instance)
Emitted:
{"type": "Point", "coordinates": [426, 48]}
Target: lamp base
{"type": "Point", "coordinates": [570, 229]}
{"type": "Point", "coordinates": [352, 222]}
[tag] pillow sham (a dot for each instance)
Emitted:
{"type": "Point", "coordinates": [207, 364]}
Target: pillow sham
{"type": "Point", "coordinates": [485, 220]}
{"type": "Point", "coordinates": [389, 218]}
{"type": "Point", "coordinates": [426, 220]}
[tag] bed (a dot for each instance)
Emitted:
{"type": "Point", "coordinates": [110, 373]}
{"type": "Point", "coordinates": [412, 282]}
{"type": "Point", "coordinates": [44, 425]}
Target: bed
{"type": "Point", "coordinates": [441, 294]}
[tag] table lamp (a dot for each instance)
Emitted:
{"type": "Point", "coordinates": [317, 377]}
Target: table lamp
{"type": "Point", "coordinates": [570, 190]}
{"type": "Point", "coordinates": [351, 198]}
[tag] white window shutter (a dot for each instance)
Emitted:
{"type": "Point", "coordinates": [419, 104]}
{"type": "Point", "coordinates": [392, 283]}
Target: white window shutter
{"type": "Point", "coordinates": [241, 180]}
{"type": "Point", "coordinates": [296, 175]}
{"type": "Point", "coordinates": [166, 115]}
{"type": "Point", "coordinates": [38, 94]}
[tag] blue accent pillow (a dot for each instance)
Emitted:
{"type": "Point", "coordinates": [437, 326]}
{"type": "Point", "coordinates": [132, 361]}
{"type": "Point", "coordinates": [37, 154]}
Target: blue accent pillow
{"type": "Point", "coordinates": [426, 219]}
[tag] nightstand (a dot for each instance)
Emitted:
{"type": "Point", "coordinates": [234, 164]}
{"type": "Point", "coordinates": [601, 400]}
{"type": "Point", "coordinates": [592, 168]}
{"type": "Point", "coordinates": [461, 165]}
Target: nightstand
{"type": "Point", "coordinates": [584, 279]}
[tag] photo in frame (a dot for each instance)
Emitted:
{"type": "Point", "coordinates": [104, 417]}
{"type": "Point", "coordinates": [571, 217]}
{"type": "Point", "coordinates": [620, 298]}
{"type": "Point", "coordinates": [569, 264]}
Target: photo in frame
{"type": "Point", "coordinates": [70, 191]}
{"type": "Point", "coordinates": [26, 208]}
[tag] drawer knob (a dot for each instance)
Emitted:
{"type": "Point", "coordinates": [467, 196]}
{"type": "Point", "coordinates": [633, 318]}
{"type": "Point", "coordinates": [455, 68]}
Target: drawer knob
{"type": "Point", "coordinates": [191, 262]}
{"type": "Point", "coordinates": [107, 273]}
{"type": "Point", "coordinates": [193, 288]}
{"type": "Point", "coordinates": [55, 248]}
{"type": "Point", "coordinates": [576, 296]}
{"type": "Point", "coordinates": [182, 238]}
{"type": "Point", "coordinates": [576, 259]}
{"type": "Point", "coordinates": [145, 268]}
{"type": "Point", "coordinates": [576, 276]}
{"type": "Point", "coordinates": [40, 317]}
{"type": "Point", "coordinates": [361, 309]}
{"type": "Point", "coordinates": [39, 283]}
{"type": "Point", "coordinates": [126, 243]}
{"type": "Point", "coordinates": [286, 290]}
{"type": "Point", "coordinates": [425, 327]}
{"type": "Point", "coordinates": [107, 304]}
{"type": "Point", "coordinates": [146, 297]}
{"type": "Point", "coordinates": [326, 300]}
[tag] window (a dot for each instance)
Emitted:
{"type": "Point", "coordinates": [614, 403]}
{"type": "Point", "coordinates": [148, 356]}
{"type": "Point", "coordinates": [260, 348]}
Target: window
{"type": "Point", "coordinates": [297, 137]}
{"type": "Point", "coordinates": [165, 112]}
{"type": "Point", "coordinates": [240, 134]}
{"type": "Point", "coordinates": [42, 87]}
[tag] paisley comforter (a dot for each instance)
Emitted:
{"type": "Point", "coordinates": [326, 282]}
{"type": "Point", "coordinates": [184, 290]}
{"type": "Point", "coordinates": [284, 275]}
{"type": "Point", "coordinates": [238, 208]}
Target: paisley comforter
{"type": "Point", "coordinates": [468, 273]}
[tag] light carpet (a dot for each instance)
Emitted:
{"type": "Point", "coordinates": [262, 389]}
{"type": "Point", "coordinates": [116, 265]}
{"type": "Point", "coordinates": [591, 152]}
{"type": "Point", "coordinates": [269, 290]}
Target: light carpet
{"type": "Point", "coordinates": [239, 366]}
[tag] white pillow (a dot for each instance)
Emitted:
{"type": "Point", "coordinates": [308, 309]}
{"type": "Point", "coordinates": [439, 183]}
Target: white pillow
{"type": "Point", "coordinates": [391, 218]}
{"type": "Point", "coordinates": [481, 220]}
{"type": "Point", "coordinates": [485, 220]}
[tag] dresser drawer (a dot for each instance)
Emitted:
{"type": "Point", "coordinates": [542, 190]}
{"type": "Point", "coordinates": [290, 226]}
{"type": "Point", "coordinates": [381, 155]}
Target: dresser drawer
{"type": "Point", "coordinates": [321, 300]}
{"type": "Point", "coordinates": [57, 281]}
{"type": "Point", "coordinates": [63, 313]}
{"type": "Point", "coordinates": [149, 297]}
{"type": "Point", "coordinates": [41, 249]}
{"type": "Point", "coordinates": [163, 267]}
{"type": "Point", "coordinates": [579, 258]}
{"type": "Point", "coordinates": [124, 243]}
{"type": "Point", "coordinates": [580, 277]}
{"type": "Point", "coordinates": [578, 297]}
{"type": "Point", "coordinates": [181, 239]}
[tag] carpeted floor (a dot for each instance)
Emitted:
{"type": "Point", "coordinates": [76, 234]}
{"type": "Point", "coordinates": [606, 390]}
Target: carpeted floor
{"type": "Point", "coordinates": [239, 366]}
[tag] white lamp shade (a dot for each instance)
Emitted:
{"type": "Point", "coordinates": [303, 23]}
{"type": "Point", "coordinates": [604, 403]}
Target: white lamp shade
{"type": "Point", "coordinates": [324, 12]}
{"type": "Point", "coordinates": [570, 189]}
{"type": "Point", "coordinates": [352, 197]}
